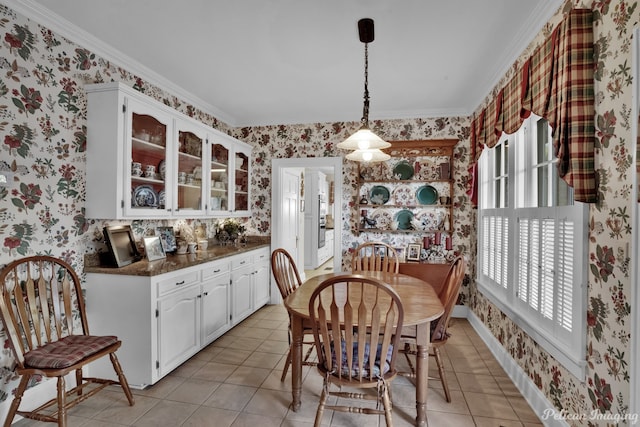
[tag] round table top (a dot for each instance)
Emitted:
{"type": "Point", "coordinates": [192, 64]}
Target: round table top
{"type": "Point", "coordinates": [420, 302]}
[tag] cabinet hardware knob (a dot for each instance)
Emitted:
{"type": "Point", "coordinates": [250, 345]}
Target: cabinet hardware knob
{"type": "Point", "coordinates": [215, 271]}
{"type": "Point", "coordinates": [180, 283]}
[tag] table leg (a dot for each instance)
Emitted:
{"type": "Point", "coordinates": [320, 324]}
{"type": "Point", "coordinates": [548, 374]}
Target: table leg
{"type": "Point", "coordinates": [296, 361]}
{"type": "Point", "coordinates": [422, 373]}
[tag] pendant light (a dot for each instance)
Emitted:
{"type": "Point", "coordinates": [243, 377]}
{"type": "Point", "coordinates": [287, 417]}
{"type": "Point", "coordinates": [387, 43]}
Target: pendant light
{"type": "Point", "coordinates": [364, 142]}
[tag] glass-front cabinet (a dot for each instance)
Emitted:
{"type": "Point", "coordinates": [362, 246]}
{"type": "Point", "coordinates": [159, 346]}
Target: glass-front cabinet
{"type": "Point", "coordinates": [146, 160]}
{"type": "Point", "coordinates": [189, 198]}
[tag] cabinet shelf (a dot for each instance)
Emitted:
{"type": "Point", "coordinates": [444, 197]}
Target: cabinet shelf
{"type": "Point", "coordinates": [364, 206]}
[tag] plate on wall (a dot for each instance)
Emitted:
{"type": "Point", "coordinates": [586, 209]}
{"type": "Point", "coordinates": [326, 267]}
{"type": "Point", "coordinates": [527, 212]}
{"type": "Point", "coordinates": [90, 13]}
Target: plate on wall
{"type": "Point", "coordinates": [144, 196]}
{"type": "Point", "coordinates": [404, 218]}
{"type": "Point", "coordinates": [427, 195]}
{"type": "Point", "coordinates": [403, 196]}
{"type": "Point", "coordinates": [403, 170]}
{"type": "Point", "coordinates": [382, 217]}
{"type": "Point", "coordinates": [379, 195]}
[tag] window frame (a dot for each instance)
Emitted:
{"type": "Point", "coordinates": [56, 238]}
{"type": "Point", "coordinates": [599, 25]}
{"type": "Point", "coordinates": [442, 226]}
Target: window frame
{"type": "Point", "coordinates": [502, 255]}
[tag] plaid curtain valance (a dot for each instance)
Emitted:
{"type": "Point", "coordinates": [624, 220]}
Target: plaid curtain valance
{"type": "Point", "coordinates": [556, 83]}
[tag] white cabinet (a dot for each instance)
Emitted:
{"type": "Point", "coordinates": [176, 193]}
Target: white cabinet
{"type": "Point", "coordinates": [129, 132]}
{"type": "Point", "coordinates": [315, 190]}
{"type": "Point", "coordinates": [325, 253]}
{"type": "Point", "coordinates": [165, 319]}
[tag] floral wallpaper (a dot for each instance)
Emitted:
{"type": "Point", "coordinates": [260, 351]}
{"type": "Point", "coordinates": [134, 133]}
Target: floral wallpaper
{"type": "Point", "coordinates": [43, 144]}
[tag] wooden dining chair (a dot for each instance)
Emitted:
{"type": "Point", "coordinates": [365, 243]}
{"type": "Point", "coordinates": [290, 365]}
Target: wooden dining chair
{"type": "Point", "coordinates": [354, 321]}
{"type": "Point", "coordinates": [288, 280]}
{"type": "Point", "coordinates": [43, 312]}
{"type": "Point", "coordinates": [375, 256]}
{"type": "Point", "coordinates": [439, 328]}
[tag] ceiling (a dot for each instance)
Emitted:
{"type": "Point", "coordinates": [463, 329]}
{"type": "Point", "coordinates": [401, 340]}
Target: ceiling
{"type": "Point", "coordinates": [260, 62]}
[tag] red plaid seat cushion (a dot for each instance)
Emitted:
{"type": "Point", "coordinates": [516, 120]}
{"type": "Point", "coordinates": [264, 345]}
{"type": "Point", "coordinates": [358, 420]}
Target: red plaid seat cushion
{"type": "Point", "coordinates": [67, 351]}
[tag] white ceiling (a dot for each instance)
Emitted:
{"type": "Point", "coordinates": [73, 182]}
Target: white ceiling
{"type": "Point", "coordinates": [258, 62]}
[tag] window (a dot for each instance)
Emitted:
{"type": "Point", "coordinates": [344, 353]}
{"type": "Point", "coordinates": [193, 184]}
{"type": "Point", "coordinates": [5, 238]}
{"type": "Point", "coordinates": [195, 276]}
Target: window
{"type": "Point", "coordinates": [532, 247]}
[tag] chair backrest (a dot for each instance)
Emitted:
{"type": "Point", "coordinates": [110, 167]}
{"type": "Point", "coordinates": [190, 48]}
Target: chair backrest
{"type": "Point", "coordinates": [375, 256]}
{"type": "Point", "coordinates": [359, 316]}
{"type": "Point", "coordinates": [448, 297]}
{"type": "Point", "coordinates": [285, 272]}
{"type": "Point", "coordinates": [40, 302]}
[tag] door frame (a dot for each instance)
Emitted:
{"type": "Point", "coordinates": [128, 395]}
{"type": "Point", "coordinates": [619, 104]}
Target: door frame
{"type": "Point", "coordinates": [277, 170]}
{"type": "Point", "coordinates": [634, 344]}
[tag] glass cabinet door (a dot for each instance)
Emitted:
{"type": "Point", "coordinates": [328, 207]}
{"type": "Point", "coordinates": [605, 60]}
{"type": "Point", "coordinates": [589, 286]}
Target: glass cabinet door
{"type": "Point", "coordinates": [189, 166]}
{"type": "Point", "coordinates": [241, 182]}
{"type": "Point", "coordinates": [219, 180]}
{"type": "Point", "coordinates": [147, 141]}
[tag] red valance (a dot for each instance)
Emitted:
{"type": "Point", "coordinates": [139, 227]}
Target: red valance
{"type": "Point", "coordinates": [556, 83]}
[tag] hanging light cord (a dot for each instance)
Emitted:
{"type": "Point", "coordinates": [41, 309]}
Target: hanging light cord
{"type": "Point", "coordinates": [365, 108]}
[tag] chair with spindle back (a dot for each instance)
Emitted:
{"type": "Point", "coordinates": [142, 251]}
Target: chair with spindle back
{"type": "Point", "coordinates": [375, 256]}
{"type": "Point", "coordinates": [43, 312]}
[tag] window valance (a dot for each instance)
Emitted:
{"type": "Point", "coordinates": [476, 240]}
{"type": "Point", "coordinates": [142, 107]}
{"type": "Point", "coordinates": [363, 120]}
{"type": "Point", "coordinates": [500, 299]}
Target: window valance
{"type": "Point", "coordinates": [556, 83]}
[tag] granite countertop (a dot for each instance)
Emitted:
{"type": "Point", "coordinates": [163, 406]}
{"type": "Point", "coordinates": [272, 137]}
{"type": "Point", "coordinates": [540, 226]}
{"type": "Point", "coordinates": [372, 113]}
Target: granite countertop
{"type": "Point", "coordinates": [171, 263]}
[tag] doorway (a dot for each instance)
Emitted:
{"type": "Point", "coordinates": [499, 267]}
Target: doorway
{"type": "Point", "coordinates": [283, 220]}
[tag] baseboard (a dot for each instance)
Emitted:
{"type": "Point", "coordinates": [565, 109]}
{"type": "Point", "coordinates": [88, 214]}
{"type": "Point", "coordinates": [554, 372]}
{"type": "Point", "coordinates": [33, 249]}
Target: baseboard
{"type": "Point", "coordinates": [532, 394]}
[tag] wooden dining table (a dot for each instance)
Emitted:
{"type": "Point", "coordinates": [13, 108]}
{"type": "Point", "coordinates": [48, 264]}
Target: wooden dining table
{"type": "Point", "coordinates": [421, 306]}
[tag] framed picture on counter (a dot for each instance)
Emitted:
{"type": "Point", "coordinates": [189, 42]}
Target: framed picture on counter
{"type": "Point", "coordinates": [413, 252]}
{"type": "Point", "coordinates": [153, 248]}
{"type": "Point", "coordinates": [168, 239]}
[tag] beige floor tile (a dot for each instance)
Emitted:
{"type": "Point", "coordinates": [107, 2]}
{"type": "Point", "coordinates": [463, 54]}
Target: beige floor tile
{"type": "Point", "coordinates": [522, 409]}
{"type": "Point", "coordinates": [482, 383]}
{"type": "Point", "coordinates": [231, 396]}
{"type": "Point", "coordinates": [443, 419]}
{"type": "Point", "coordinates": [495, 422]}
{"type": "Point", "coordinates": [167, 414]}
{"type": "Point", "coordinates": [253, 420]}
{"type": "Point", "coordinates": [121, 413]}
{"type": "Point", "coordinates": [468, 366]}
{"type": "Point", "coordinates": [437, 402]}
{"type": "Point", "coordinates": [206, 416]}
{"type": "Point", "coordinates": [248, 375]}
{"type": "Point", "coordinates": [262, 360]}
{"type": "Point", "coordinates": [272, 402]}
{"type": "Point", "coordinates": [490, 406]}
{"type": "Point", "coordinates": [213, 371]}
{"type": "Point", "coordinates": [193, 390]}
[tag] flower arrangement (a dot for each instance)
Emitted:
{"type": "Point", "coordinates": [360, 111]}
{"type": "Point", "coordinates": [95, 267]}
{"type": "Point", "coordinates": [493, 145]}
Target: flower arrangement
{"type": "Point", "coordinates": [229, 229]}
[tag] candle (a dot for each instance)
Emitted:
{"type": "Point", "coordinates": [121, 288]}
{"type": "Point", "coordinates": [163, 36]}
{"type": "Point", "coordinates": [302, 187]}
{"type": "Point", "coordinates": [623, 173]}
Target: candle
{"type": "Point", "coordinates": [426, 242]}
{"type": "Point", "coordinates": [438, 238]}
{"type": "Point", "coordinates": [448, 243]}
{"type": "Point", "coordinates": [363, 212]}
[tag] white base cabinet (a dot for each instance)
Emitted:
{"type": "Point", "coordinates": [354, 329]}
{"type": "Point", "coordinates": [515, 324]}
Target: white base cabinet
{"type": "Point", "coordinates": [163, 320]}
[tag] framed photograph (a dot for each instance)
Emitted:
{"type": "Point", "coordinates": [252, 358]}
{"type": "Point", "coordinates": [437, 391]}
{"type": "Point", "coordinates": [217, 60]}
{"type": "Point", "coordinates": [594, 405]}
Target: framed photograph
{"type": "Point", "coordinates": [153, 248]}
{"type": "Point", "coordinates": [401, 254]}
{"type": "Point", "coordinates": [122, 245]}
{"type": "Point", "coordinates": [168, 239]}
{"type": "Point", "coordinates": [413, 252]}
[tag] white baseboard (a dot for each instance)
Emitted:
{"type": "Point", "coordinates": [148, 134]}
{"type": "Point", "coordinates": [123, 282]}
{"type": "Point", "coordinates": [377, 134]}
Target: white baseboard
{"type": "Point", "coordinates": [532, 394]}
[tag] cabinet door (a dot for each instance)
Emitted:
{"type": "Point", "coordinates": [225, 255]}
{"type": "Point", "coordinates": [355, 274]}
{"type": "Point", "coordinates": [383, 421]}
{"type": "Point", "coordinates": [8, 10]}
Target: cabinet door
{"type": "Point", "coordinates": [188, 198]}
{"type": "Point", "coordinates": [178, 328]}
{"type": "Point", "coordinates": [241, 181]}
{"type": "Point", "coordinates": [147, 142]}
{"type": "Point", "coordinates": [220, 153]}
{"type": "Point", "coordinates": [216, 318]}
{"type": "Point", "coordinates": [241, 301]}
{"type": "Point", "coordinates": [261, 278]}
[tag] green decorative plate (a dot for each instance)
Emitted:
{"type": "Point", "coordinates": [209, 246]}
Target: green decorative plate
{"type": "Point", "coordinates": [403, 170]}
{"type": "Point", "coordinates": [427, 195]}
{"type": "Point", "coordinates": [404, 218]}
{"type": "Point", "coordinates": [379, 195]}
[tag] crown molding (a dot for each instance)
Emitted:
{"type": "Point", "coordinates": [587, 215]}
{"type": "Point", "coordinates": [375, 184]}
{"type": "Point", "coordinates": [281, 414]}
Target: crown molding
{"type": "Point", "coordinates": [45, 17]}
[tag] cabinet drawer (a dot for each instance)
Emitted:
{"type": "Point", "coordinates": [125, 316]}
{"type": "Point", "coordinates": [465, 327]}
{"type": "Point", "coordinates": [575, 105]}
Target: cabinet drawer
{"type": "Point", "coordinates": [261, 255]}
{"type": "Point", "coordinates": [215, 269]}
{"type": "Point", "coordinates": [241, 261]}
{"type": "Point", "coordinates": [177, 282]}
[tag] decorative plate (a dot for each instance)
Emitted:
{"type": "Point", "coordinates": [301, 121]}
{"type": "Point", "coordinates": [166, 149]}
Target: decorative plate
{"type": "Point", "coordinates": [404, 218]}
{"type": "Point", "coordinates": [403, 196]}
{"type": "Point", "coordinates": [427, 195]}
{"type": "Point", "coordinates": [162, 168]}
{"type": "Point", "coordinates": [145, 196]}
{"type": "Point", "coordinates": [428, 220]}
{"type": "Point", "coordinates": [382, 218]}
{"type": "Point", "coordinates": [403, 170]}
{"type": "Point", "coordinates": [379, 195]}
{"type": "Point", "coordinates": [161, 198]}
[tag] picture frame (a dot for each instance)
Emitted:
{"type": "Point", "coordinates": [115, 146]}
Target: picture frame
{"type": "Point", "coordinates": [153, 248]}
{"type": "Point", "coordinates": [121, 244]}
{"type": "Point", "coordinates": [168, 239]}
{"type": "Point", "coordinates": [413, 252]}
{"type": "Point", "coordinates": [401, 254]}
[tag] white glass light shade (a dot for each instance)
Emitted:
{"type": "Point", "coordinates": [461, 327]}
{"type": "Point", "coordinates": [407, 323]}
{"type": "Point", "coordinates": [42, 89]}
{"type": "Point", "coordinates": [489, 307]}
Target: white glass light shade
{"type": "Point", "coordinates": [371, 156]}
{"type": "Point", "coordinates": [364, 139]}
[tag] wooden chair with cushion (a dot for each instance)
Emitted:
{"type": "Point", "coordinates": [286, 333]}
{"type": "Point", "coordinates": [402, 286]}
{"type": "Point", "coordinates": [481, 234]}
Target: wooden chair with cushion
{"type": "Point", "coordinates": [439, 333]}
{"type": "Point", "coordinates": [288, 280]}
{"type": "Point", "coordinates": [375, 256]}
{"type": "Point", "coordinates": [354, 321]}
{"type": "Point", "coordinates": [43, 312]}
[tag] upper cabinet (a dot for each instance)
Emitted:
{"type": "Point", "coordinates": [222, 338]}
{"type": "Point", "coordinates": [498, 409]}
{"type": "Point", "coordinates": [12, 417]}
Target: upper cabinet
{"type": "Point", "coordinates": [146, 160]}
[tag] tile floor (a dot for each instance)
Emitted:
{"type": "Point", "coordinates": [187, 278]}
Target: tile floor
{"type": "Point", "coordinates": [235, 382]}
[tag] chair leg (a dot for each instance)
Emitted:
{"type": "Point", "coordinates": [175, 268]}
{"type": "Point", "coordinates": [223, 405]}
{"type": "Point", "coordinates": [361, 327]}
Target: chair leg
{"type": "Point", "coordinates": [286, 365]}
{"type": "Point", "coordinates": [323, 401]}
{"type": "Point", "coordinates": [15, 404]}
{"type": "Point", "coordinates": [386, 401]}
{"type": "Point", "coordinates": [62, 402]}
{"type": "Point", "coordinates": [121, 378]}
{"type": "Point", "coordinates": [443, 379]}
{"type": "Point", "coordinates": [79, 380]}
